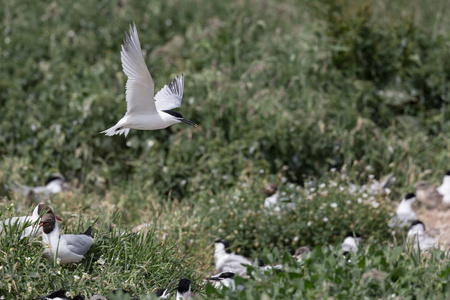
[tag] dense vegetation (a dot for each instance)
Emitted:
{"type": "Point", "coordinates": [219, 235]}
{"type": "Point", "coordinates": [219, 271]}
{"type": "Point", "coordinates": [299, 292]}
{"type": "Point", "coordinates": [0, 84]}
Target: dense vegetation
{"type": "Point", "coordinates": [284, 91]}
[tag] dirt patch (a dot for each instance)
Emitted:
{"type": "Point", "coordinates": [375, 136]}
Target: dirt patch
{"type": "Point", "coordinates": [437, 223]}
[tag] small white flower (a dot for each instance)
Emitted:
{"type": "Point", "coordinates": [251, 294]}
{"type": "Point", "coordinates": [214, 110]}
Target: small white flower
{"type": "Point", "coordinates": [27, 258]}
{"type": "Point", "coordinates": [325, 219]}
{"type": "Point", "coordinates": [348, 202]}
{"type": "Point", "coordinates": [312, 189]}
{"type": "Point", "coordinates": [101, 260]}
{"type": "Point", "coordinates": [359, 200]}
{"type": "Point", "coordinates": [341, 188]}
{"type": "Point", "coordinates": [375, 204]}
{"type": "Point", "coordinates": [2, 297]}
{"type": "Point", "coordinates": [295, 239]}
{"type": "Point", "coordinates": [309, 223]}
{"type": "Point", "coordinates": [333, 205]}
{"type": "Point", "coordinates": [371, 176]}
{"type": "Point", "coordinates": [333, 170]}
{"type": "Point", "coordinates": [68, 294]}
{"type": "Point", "coordinates": [76, 277]}
{"type": "Point", "coordinates": [365, 195]}
{"type": "Point", "coordinates": [322, 185]}
{"type": "Point", "coordinates": [58, 272]}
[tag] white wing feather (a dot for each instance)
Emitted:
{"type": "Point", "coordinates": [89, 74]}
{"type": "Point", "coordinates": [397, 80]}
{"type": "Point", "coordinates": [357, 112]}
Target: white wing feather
{"type": "Point", "coordinates": [140, 86]}
{"type": "Point", "coordinates": [170, 96]}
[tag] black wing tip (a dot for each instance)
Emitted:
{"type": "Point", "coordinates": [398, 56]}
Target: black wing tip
{"type": "Point", "coordinates": [88, 231]}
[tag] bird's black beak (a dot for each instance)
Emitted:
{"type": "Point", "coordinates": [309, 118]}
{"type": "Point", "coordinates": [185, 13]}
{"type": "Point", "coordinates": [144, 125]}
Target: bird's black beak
{"type": "Point", "coordinates": [189, 122]}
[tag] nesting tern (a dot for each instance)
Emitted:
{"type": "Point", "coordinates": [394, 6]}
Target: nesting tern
{"type": "Point", "coordinates": [350, 243]}
{"type": "Point", "coordinates": [59, 295]}
{"type": "Point", "coordinates": [405, 213]}
{"type": "Point", "coordinates": [69, 248]}
{"type": "Point", "coordinates": [183, 290]}
{"type": "Point", "coordinates": [224, 279]}
{"type": "Point", "coordinates": [418, 238]}
{"type": "Point", "coordinates": [226, 261]}
{"type": "Point", "coordinates": [145, 111]}
{"type": "Point", "coordinates": [271, 201]}
{"type": "Point", "coordinates": [33, 229]}
{"type": "Point", "coordinates": [53, 184]}
{"type": "Point", "coordinates": [444, 188]}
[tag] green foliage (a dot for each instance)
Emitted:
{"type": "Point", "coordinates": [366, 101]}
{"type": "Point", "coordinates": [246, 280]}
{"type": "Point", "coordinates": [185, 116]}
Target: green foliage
{"type": "Point", "coordinates": [283, 91]}
{"type": "Point", "coordinates": [375, 272]}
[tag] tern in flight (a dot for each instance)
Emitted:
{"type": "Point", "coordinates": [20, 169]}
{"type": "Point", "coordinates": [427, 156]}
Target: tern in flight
{"type": "Point", "coordinates": [146, 111]}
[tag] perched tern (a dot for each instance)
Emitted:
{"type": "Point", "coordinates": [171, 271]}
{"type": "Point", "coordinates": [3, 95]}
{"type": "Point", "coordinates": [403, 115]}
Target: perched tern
{"type": "Point", "coordinates": [60, 295]}
{"type": "Point", "coordinates": [226, 261]}
{"type": "Point", "coordinates": [350, 243]}
{"type": "Point", "coordinates": [145, 111]}
{"type": "Point", "coordinates": [405, 213]}
{"type": "Point", "coordinates": [418, 238]}
{"type": "Point", "coordinates": [33, 229]}
{"type": "Point", "coordinates": [70, 248]}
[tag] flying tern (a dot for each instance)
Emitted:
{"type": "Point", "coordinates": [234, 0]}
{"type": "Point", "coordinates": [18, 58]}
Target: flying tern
{"type": "Point", "coordinates": [70, 248]}
{"type": "Point", "coordinates": [145, 111]}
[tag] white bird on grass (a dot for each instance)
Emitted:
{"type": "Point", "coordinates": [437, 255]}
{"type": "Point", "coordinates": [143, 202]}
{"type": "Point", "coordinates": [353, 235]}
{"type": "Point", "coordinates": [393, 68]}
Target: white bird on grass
{"type": "Point", "coordinates": [405, 213]}
{"type": "Point", "coordinates": [444, 189]}
{"type": "Point", "coordinates": [226, 261]}
{"type": "Point", "coordinates": [53, 184]}
{"type": "Point", "coordinates": [418, 238]}
{"type": "Point", "coordinates": [33, 229]}
{"type": "Point", "coordinates": [69, 248]}
{"type": "Point", "coordinates": [350, 243]}
{"type": "Point", "coordinates": [145, 111]}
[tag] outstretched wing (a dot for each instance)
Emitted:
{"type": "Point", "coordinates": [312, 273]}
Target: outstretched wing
{"type": "Point", "coordinates": [140, 86]}
{"type": "Point", "coordinates": [170, 96]}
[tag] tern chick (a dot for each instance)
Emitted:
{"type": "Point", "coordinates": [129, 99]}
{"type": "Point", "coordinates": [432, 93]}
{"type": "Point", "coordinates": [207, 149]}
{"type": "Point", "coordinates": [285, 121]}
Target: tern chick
{"type": "Point", "coordinates": [145, 111]}
{"type": "Point", "coordinates": [301, 252]}
{"type": "Point", "coordinates": [69, 248]}
{"type": "Point", "coordinates": [226, 261]}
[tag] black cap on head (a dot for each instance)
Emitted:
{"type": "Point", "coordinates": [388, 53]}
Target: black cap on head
{"type": "Point", "coordinates": [225, 243]}
{"type": "Point", "coordinates": [184, 286]}
{"type": "Point", "coordinates": [410, 196]}
{"type": "Point", "coordinates": [261, 262]}
{"type": "Point", "coordinates": [55, 294]}
{"type": "Point", "coordinates": [53, 177]}
{"type": "Point", "coordinates": [226, 275]}
{"type": "Point", "coordinates": [447, 173]}
{"type": "Point", "coordinates": [78, 297]}
{"type": "Point", "coordinates": [416, 222]}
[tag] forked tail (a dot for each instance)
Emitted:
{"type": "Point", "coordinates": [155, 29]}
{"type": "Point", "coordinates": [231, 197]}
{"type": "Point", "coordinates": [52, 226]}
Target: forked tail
{"type": "Point", "coordinates": [116, 129]}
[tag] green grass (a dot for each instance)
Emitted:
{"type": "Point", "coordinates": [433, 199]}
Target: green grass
{"type": "Point", "coordinates": [283, 91]}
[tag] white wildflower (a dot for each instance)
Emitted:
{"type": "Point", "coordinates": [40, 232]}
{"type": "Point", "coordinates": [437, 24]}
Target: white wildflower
{"type": "Point", "coordinates": [375, 204]}
{"type": "Point", "coordinates": [325, 219]}
{"type": "Point", "coordinates": [360, 200]}
{"type": "Point", "coordinates": [101, 260]}
{"type": "Point", "coordinates": [333, 205]}
{"type": "Point", "coordinates": [309, 223]}
{"type": "Point", "coordinates": [322, 185]}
